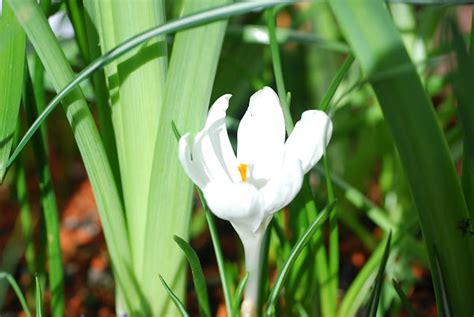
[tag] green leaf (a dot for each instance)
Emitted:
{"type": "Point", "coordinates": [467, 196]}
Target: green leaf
{"type": "Point", "coordinates": [378, 284]}
{"type": "Point", "coordinates": [195, 51]}
{"type": "Point", "coordinates": [341, 73]}
{"type": "Point", "coordinates": [198, 276]}
{"type": "Point", "coordinates": [420, 142]}
{"type": "Point", "coordinates": [403, 298]}
{"type": "Point", "coordinates": [39, 298]}
{"type": "Point", "coordinates": [238, 295]}
{"type": "Point", "coordinates": [463, 78]}
{"type": "Point", "coordinates": [17, 290]}
{"type": "Point", "coordinates": [174, 298]}
{"type": "Point", "coordinates": [186, 22]}
{"type": "Point", "coordinates": [48, 204]}
{"type": "Point", "coordinates": [299, 246]}
{"type": "Point", "coordinates": [12, 58]}
{"type": "Point", "coordinates": [90, 146]}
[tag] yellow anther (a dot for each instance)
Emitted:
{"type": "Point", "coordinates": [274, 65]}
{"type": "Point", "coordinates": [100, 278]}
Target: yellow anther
{"type": "Point", "coordinates": [243, 171]}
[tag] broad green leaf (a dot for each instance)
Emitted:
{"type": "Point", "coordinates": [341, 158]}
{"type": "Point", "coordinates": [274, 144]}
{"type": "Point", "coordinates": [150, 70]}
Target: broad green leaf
{"type": "Point", "coordinates": [198, 277]}
{"type": "Point", "coordinates": [12, 59]}
{"type": "Point", "coordinates": [422, 147]}
{"type": "Point", "coordinates": [186, 101]}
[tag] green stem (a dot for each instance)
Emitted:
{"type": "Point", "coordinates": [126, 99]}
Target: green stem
{"type": "Point", "coordinates": [49, 206]}
{"type": "Point", "coordinates": [280, 83]}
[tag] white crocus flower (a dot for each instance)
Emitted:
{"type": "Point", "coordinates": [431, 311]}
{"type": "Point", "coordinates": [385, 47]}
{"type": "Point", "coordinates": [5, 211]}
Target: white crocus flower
{"type": "Point", "coordinates": [264, 177]}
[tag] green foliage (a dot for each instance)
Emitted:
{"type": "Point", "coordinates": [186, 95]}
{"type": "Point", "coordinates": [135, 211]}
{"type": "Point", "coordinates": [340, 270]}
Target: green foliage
{"type": "Point", "coordinates": [12, 59]}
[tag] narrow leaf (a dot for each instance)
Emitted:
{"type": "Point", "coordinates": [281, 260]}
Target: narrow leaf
{"type": "Point", "coordinates": [174, 298]}
{"type": "Point", "coordinates": [403, 298]}
{"type": "Point", "coordinates": [17, 290]}
{"type": "Point", "coordinates": [463, 79]}
{"type": "Point", "coordinates": [12, 58]}
{"type": "Point", "coordinates": [198, 276]}
{"type": "Point", "coordinates": [238, 295]}
{"type": "Point", "coordinates": [299, 246]}
{"type": "Point", "coordinates": [39, 298]}
{"type": "Point", "coordinates": [378, 283]}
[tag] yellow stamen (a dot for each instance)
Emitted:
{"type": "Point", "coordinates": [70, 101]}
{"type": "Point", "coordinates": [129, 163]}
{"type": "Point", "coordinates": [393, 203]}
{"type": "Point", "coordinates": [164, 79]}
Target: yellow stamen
{"type": "Point", "coordinates": [243, 171]}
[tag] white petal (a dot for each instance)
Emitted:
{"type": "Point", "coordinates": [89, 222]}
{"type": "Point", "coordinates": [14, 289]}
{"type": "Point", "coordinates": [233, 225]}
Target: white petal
{"type": "Point", "coordinates": [310, 137]}
{"type": "Point", "coordinates": [212, 147]}
{"type": "Point", "coordinates": [284, 186]}
{"type": "Point", "coordinates": [240, 203]}
{"type": "Point", "coordinates": [193, 169]}
{"type": "Point", "coordinates": [261, 135]}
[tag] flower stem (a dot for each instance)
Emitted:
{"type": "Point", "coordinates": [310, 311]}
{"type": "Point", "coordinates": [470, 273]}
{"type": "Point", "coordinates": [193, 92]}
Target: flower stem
{"type": "Point", "coordinates": [253, 260]}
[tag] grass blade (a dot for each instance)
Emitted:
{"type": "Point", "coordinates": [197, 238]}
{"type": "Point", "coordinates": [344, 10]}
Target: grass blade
{"type": "Point", "coordinates": [442, 300]}
{"type": "Point", "coordinates": [403, 298]}
{"type": "Point", "coordinates": [174, 298]}
{"type": "Point", "coordinates": [198, 276]}
{"type": "Point", "coordinates": [12, 53]}
{"type": "Point", "coordinates": [299, 246]}
{"type": "Point", "coordinates": [421, 144]}
{"type": "Point", "coordinates": [16, 288]}
{"type": "Point", "coordinates": [39, 298]}
{"type": "Point", "coordinates": [187, 22]}
{"type": "Point", "coordinates": [48, 205]}
{"type": "Point", "coordinates": [341, 73]}
{"type": "Point", "coordinates": [238, 295]}
{"type": "Point", "coordinates": [463, 77]}
{"type": "Point", "coordinates": [377, 288]}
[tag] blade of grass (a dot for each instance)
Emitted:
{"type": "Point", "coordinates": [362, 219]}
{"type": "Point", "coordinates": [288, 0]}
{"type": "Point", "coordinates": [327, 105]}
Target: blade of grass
{"type": "Point", "coordinates": [276, 60]}
{"type": "Point", "coordinates": [198, 276]}
{"type": "Point", "coordinates": [238, 295]}
{"type": "Point", "coordinates": [174, 298]}
{"type": "Point", "coordinates": [403, 298]}
{"type": "Point", "coordinates": [299, 246]}
{"type": "Point", "coordinates": [48, 205]}
{"type": "Point", "coordinates": [336, 81]}
{"type": "Point", "coordinates": [75, 12]}
{"type": "Point", "coordinates": [39, 306]}
{"type": "Point", "coordinates": [442, 300]}
{"type": "Point", "coordinates": [16, 288]}
{"type": "Point", "coordinates": [12, 53]}
{"type": "Point", "coordinates": [421, 144]}
{"type": "Point", "coordinates": [109, 205]}
{"type": "Point", "coordinates": [378, 284]}
{"type": "Point", "coordinates": [463, 77]}
{"type": "Point", "coordinates": [186, 22]}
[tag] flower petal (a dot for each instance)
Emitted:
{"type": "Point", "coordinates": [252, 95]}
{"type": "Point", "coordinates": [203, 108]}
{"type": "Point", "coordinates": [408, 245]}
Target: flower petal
{"type": "Point", "coordinates": [212, 147]}
{"type": "Point", "coordinates": [310, 137]}
{"type": "Point", "coordinates": [240, 203]}
{"type": "Point", "coordinates": [284, 186]}
{"type": "Point", "coordinates": [261, 136]}
{"type": "Point", "coordinates": [193, 169]}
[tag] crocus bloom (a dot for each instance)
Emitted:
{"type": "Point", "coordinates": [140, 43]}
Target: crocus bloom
{"type": "Point", "coordinates": [264, 177]}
